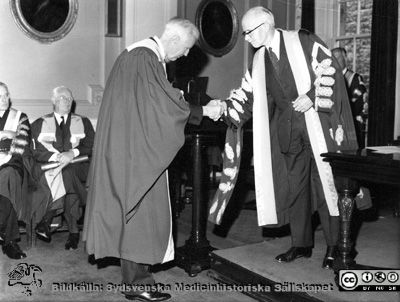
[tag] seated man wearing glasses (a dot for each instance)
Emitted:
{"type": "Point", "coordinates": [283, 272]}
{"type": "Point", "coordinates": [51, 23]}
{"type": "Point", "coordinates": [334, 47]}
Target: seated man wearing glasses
{"type": "Point", "coordinates": [60, 140]}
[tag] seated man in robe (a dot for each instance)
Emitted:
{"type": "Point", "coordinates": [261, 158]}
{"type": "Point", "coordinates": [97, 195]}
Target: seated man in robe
{"type": "Point", "coordinates": [61, 138]}
{"type": "Point", "coordinates": [14, 139]}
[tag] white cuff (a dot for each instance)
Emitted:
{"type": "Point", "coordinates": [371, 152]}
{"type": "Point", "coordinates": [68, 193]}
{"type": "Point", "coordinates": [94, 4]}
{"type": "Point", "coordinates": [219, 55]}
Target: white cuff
{"type": "Point", "coordinates": [76, 152]}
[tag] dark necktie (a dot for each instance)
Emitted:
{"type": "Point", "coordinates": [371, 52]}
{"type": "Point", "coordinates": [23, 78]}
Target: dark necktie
{"type": "Point", "coordinates": [274, 58]}
{"type": "Point", "coordinates": [62, 123]}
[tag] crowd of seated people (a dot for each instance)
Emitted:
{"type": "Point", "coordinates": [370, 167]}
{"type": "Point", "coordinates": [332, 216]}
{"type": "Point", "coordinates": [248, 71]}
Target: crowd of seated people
{"type": "Point", "coordinates": [43, 169]}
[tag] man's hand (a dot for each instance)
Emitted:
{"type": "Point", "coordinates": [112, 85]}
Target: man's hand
{"type": "Point", "coordinates": [302, 103]}
{"type": "Point", "coordinates": [214, 109]}
{"type": "Point", "coordinates": [7, 134]}
{"type": "Point", "coordinates": [65, 158]}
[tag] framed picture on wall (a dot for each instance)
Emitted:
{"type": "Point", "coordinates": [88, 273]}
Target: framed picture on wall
{"type": "Point", "coordinates": [113, 18]}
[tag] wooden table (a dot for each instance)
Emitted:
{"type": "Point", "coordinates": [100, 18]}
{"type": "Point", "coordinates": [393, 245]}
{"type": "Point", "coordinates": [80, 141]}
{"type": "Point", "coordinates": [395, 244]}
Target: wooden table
{"type": "Point", "coordinates": [349, 168]}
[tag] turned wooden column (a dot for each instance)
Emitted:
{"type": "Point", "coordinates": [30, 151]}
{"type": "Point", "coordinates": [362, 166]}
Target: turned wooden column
{"type": "Point", "coordinates": [193, 257]}
{"type": "Point", "coordinates": [347, 190]}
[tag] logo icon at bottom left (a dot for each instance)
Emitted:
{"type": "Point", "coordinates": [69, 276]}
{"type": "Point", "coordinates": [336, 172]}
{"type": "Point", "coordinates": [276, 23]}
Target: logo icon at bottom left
{"type": "Point", "coordinates": [25, 275]}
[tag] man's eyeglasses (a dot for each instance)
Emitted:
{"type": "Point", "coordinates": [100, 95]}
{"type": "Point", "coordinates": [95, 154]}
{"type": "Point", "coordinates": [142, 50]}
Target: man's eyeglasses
{"type": "Point", "coordinates": [248, 32]}
{"type": "Point", "coordinates": [64, 98]}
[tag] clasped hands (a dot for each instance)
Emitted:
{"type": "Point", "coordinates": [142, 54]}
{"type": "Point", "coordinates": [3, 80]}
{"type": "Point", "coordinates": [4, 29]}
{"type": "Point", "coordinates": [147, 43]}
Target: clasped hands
{"type": "Point", "coordinates": [214, 109]}
{"type": "Point", "coordinates": [65, 158]}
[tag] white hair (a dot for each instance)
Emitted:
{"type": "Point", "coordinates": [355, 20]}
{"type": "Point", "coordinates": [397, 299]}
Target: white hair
{"type": "Point", "coordinates": [262, 13]}
{"type": "Point", "coordinates": [61, 89]}
{"type": "Point", "coordinates": [182, 27]}
{"type": "Point", "coordinates": [5, 87]}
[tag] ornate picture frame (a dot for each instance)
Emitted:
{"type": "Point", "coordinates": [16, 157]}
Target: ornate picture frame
{"type": "Point", "coordinates": [218, 24]}
{"type": "Point", "coordinates": [45, 21]}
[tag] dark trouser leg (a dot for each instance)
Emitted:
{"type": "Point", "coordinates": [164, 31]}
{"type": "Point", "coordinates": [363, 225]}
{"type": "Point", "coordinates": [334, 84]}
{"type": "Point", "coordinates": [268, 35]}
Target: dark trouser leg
{"type": "Point", "coordinates": [8, 220]}
{"type": "Point", "coordinates": [298, 160]}
{"type": "Point", "coordinates": [48, 217]}
{"type": "Point", "coordinates": [300, 208]}
{"type": "Point", "coordinates": [330, 224]}
{"type": "Point", "coordinates": [71, 212]}
{"type": "Point", "coordinates": [136, 273]}
{"type": "Point", "coordinates": [73, 176]}
{"type": "Point", "coordinates": [43, 229]}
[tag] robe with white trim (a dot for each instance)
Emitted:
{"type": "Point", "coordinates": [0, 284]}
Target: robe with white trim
{"type": "Point", "coordinates": [315, 74]}
{"type": "Point", "coordinates": [13, 174]}
{"type": "Point", "coordinates": [49, 139]}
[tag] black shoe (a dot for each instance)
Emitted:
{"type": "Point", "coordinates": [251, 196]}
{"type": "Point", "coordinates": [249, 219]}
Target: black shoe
{"type": "Point", "coordinates": [294, 253]}
{"type": "Point", "coordinates": [13, 251]}
{"type": "Point", "coordinates": [331, 253]}
{"type": "Point", "coordinates": [72, 241]}
{"type": "Point", "coordinates": [148, 296]}
{"type": "Point", "coordinates": [43, 231]}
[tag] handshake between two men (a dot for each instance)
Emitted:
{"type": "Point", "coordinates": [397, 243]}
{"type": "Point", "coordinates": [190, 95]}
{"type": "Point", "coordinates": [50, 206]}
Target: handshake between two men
{"type": "Point", "coordinates": [214, 109]}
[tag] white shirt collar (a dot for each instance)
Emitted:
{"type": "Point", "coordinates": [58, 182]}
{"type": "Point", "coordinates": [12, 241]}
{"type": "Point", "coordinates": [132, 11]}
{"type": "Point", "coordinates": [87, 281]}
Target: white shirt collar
{"type": "Point", "coordinates": [161, 49]}
{"type": "Point", "coordinates": [275, 43]}
{"type": "Point", "coordinates": [344, 70]}
{"type": "Point", "coordinates": [58, 117]}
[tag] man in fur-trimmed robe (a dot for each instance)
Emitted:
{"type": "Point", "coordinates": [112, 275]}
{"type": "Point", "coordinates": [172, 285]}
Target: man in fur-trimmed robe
{"type": "Point", "coordinates": [297, 99]}
{"type": "Point", "coordinates": [14, 144]}
{"type": "Point", "coordinates": [139, 131]}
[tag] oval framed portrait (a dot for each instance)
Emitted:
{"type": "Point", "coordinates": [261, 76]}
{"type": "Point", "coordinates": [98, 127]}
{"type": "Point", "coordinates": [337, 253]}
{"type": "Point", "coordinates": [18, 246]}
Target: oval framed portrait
{"type": "Point", "coordinates": [218, 24]}
{"type": "Point", "coordinates": [45, 20]}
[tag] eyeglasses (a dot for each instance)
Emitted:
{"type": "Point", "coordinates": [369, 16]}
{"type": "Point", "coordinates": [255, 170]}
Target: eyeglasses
{"type": "Point", "coordinates": [248, 32]}
{"type": "Point", "coordinates": [64, 98]}
{"type": "Point", "coordinates": [3, 97]}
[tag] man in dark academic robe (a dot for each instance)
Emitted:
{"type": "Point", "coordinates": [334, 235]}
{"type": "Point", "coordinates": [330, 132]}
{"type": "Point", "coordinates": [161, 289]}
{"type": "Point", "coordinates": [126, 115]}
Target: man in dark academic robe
{"type": "Point", "coordinates": [139, 131]}
{"type": "Point", "coordinates": [295, 83]}
{"type": "Point", "coordinates": [14, 146]}
{"type": "Point", "coordinates": [61, 138]}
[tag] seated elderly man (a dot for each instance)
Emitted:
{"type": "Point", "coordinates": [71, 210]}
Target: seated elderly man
{"type": "Point", "coordinates": [60, 138]}
{"type": "Point", "coordinates": [14, 139]}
